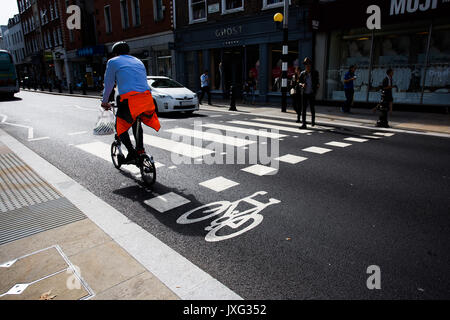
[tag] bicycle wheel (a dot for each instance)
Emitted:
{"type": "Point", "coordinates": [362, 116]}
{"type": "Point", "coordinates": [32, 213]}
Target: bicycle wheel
{"type": "Point", "coordinates": [233, 227]}
{"type": "Point", "coordinates": [115, 154]}
{"type": "Point", "coordinates": [204, 212]}
{"type": "Point", "coordinates": [148, 170]}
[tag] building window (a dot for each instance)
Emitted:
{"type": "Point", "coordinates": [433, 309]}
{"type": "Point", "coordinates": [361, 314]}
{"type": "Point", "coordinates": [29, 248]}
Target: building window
{"type": "Point", "coordinates": [197, 11]}
{"type": "Point", "coordinates": [269, 4]}
{"type": "Point", "coordinates": [108, 19]}
{"type": "Point", "coordinates": [124, 13]}
{"type": "Point", "coordinates": [158, 10]}
{"type": "Point", "coordinates": [229, 6]}
{"type": "Point", "coordinates": [60, 36]}
{"type": "Point", "coordinates": [136, 13]}
{"type": "Point", "coordinates": [56, 10]}
{"type": "Point", "coordinates": [52, 17]}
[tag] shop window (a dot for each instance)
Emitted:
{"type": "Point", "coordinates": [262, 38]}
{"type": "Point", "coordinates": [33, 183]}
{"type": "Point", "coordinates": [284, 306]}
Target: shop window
{"type": "Point", "coordinates": [158, 10]}
{"type": "Point", "coordinates": [197, 11]}
{"type": "Point", "coordinates": [124, 14]}
{"type": "Point", "coordinates": [190, 73]}
{"type": "Point", "coordinates": [405, 53]}
{"type": "Point", "coordinates": [56, 10]}
{"type": "Point", "coordinates": [229, 6]}
{"type": "Point", "coordinates": [136, 13]}
{"type": "Point", "coordinates": [437, 76]}
{"type": "Point", "coordinates": [275, 63]}
{"type": "Point", "coordinates": [108, 23]}
{"type": "Point", "coordinates": [345, 51]}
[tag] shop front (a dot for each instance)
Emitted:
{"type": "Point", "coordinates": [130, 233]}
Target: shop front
{"type": "Point", "coordinates": [240, 49]}
{"type": "Point", "coordinates": [414, 41]}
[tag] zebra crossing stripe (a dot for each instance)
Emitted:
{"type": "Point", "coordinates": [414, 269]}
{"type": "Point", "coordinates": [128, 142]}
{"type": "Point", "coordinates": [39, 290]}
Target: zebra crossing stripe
{"type": "Point", "coordinates": [260, 170]}
{"type": "Point", "coordinates": [103, 151]}
{"type": "Point", "coordinates": [211, 137]}
{"type": "Point", "coordinates": [338, 144]}
{"type": "Point", "coordinates": [385, 134]}
{"type": "Point", "coordinates": [250, 132]}
{"type": "Point", "coordinates": [317, 150]}
{"type": "Point", "coordinates": [269, 126]}
{"type": "Point", "coordinates": [176, 147]}
{"type": "Point", "coordinates": [356, 139]}
{"type": "Point", "coordinates": [289, 123]}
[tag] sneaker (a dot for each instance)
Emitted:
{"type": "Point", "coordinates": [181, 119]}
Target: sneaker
{"type": "Point", "coordinates": [131, 157]}
{"type": "Point", "coordinates": [303, 126]}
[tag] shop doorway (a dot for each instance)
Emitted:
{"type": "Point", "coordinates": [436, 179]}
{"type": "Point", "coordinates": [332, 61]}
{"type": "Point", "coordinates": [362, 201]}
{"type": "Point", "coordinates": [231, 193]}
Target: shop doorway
{"type": "Point", "coordinates": [233, 69]}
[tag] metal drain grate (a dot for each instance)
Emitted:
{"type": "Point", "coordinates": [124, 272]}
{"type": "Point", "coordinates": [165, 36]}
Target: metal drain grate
{"type": "Point", "coordinates": [20, 186]}
{"type": "Point", "coordinates": [26, 221]}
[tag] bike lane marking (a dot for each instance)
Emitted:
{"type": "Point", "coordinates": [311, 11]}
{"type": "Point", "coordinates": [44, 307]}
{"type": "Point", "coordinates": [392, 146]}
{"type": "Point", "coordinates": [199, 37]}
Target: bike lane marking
{"type": "Point", "coordinates": [317, 150]}
{"type": "Point", "coordinates": [290, 158]}
{"type": "Point", "coordinates": [260, 170]}
{"type": "Point", "coordinates": [179, 274]}
{"type": "Point", "coordinates": [338, 144]}
{"type": "Point", "coordinates": [166, 202]}
{"type": "Point", "coordinates": [219, 184]}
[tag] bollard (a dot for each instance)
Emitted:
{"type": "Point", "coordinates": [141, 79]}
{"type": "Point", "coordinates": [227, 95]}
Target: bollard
{"type": "Point", "coordinates": [50, 89]}
{"type": "Point", "coordinates": [70, 88]}
{"type": "Point", "coordinates": [233, 99]}
{"type": "Point", "coordinates": [59, 87]}
{"type": "Point", "coordinates": [84, 89]}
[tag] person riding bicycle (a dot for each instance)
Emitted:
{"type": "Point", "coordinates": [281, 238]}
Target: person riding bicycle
{"type": "Point", "coordinates": [135, 98]}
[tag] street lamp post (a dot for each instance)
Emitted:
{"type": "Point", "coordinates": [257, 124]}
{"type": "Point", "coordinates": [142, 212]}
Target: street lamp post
{"type": "Point", "coordinates": [284, 67]}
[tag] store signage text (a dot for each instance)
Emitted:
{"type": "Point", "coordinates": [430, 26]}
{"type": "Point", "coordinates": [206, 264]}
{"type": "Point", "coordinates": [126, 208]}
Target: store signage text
{"type": "Point", "coordinates": [229, 31]}
{"type": "Point", "coordinates": [411, 6]}
{"type": "Point", "coordinates": [398, 7]}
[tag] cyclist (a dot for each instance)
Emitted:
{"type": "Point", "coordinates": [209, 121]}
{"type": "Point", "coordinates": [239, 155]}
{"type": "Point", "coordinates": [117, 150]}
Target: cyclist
{"type": "Point", "coordinates": [134, 99]}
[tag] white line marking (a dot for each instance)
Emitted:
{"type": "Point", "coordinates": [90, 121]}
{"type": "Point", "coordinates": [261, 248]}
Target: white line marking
{"type": "Point", "coordinates": [180, 275]}
{"type": "Point", "coordinates": [289, 158]}
{"type": "Point", "coordinates": [288, 123]}
{"type": "Point", "coordinates": [370, 137]}
{"type": "Point", "coordinates": [338, 144]}
{"type": "Point", "coordinates": [385, 134]}
{"type": "Point", "coordinates": [269, 126]}
{"type": "Point", "coordinates": [260, 170]}
{"type": "Point", "coordinates": [356, 139]}
{"type": "Point", "coordinates": [219, 184]}
{"type": "Point", "coordinates": [233, 141]}
{"type": "Point", "coordinates": [317, 150]}
{"type": "Point", "coordinates": [166, 202]}
{"type": "Point", "coordinates": [38, 139]}
{"type": "Point", "coordinates": [176, 147]}
{"type": "Point", "coordinates": [250, 132]}
{"type": "Point", "coordinates": [77, 133]}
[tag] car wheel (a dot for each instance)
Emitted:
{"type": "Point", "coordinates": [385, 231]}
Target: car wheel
{"type": "Point", "coordinates": [156, 107]}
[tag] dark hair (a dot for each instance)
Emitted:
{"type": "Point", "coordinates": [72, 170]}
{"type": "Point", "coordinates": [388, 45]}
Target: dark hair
{"type": "Point", "coordinates": [389, 71]}
{"type": "Point", "coordinates": [307, 61]}
{"type": "Point", "coordinates": [351, 67]}
{"type": "Point", "coordinates": [120, 48]}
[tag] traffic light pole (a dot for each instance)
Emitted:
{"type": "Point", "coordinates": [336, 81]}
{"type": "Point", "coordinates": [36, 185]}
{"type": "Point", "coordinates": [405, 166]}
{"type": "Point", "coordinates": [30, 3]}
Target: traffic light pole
{"type": "Point", "coordinates": [284, 58]}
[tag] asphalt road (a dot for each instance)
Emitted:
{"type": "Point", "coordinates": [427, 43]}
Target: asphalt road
{"type": "Point", "coordinates": [382, 202]}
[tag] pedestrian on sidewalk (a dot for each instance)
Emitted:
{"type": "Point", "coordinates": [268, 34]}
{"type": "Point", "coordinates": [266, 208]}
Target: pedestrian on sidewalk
{"type": "Point", "coordinates": [204, 82]}
{"type": "Point", "coordinates": [387, 99]}
{"type": "Point", "coordinates": [309, 82]}
{"type": "Point", "coordinates": [349, 90]}
{"type": "Point", "coordinates": [296, 93]}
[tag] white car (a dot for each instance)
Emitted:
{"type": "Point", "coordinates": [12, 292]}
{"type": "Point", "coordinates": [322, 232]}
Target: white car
{"type": "Point", "coordinates": [171, 96]}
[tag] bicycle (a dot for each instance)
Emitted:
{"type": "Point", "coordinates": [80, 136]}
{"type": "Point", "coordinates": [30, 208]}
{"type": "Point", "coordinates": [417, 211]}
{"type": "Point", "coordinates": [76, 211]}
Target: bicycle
{"type": "Point", "coordinates": [144, 162]}
{"type": "Point", "coordinates": [232, 218]}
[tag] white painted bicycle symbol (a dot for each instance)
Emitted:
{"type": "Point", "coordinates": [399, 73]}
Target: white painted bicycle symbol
{"type": "Point", "coordinates": [236, 221]}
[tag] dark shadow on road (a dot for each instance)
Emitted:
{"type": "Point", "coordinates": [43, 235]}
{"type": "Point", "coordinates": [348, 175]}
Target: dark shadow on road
{"type": "Point", "coordinates": [141, 193]}
{"type": "Point", "coordinates": [7, 99]}
{"type": "Point", "coordinates": [180, 115]}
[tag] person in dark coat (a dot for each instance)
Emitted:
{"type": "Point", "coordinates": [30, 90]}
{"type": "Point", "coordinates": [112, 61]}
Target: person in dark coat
{"type": "Point", "coordinates": [296, 93]}
{"type": "Point", "coordinates": [309, 82]}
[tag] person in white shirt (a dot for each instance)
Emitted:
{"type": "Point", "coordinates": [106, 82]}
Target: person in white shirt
{"type": "Point", "coordinates": [204, 82]}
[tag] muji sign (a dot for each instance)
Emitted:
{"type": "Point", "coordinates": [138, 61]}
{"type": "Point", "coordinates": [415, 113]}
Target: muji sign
{"type": "Point", "coordinates": [398, 8]}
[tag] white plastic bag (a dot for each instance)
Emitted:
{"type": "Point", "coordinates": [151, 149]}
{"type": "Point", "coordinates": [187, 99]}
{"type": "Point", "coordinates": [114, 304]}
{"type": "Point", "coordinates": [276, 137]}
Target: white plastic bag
{"type": "Point", "coordinates": [106, 123]}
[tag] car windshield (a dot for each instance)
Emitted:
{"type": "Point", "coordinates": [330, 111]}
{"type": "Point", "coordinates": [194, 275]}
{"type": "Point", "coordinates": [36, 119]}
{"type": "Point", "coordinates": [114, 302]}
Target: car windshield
{"type": "Point", "coordinates": [164, 83]}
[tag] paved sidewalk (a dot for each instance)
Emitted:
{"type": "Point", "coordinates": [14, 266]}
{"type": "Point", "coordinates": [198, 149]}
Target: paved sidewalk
{"type": "Point", "coordinates": [414, 121]}
{"type": "Point", "coordinates": [50, 250]}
